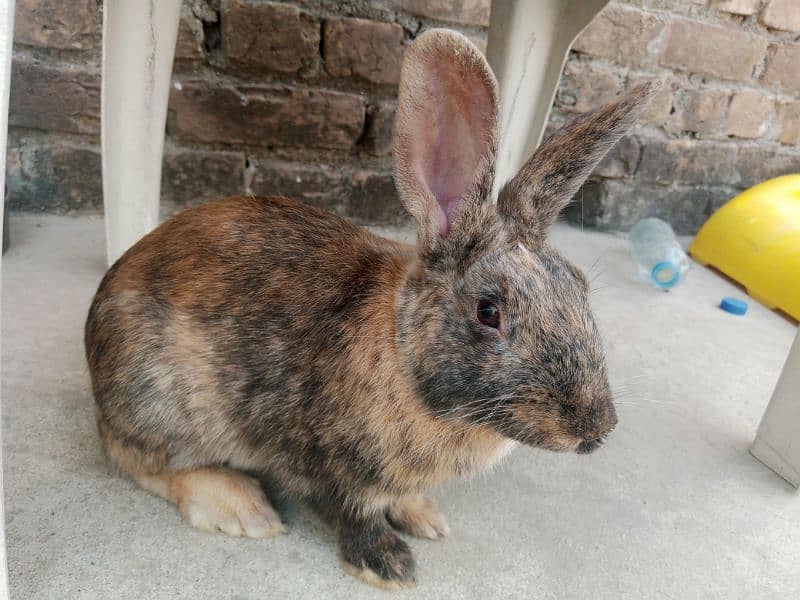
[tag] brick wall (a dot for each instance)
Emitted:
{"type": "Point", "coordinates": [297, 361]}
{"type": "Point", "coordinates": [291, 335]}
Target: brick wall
{"type": "Point", "coordinates": [298, 98]}
{"type": "Point", "coordinates": [728, 119]}
{"type": "Point", "coordinates": [294, 98]}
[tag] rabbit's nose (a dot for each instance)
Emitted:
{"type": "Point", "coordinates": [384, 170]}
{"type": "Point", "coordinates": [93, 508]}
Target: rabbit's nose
{"type": "Point", "coordinates": [600, 422]}
{"type": "Point", "coordinates": [588, 446]}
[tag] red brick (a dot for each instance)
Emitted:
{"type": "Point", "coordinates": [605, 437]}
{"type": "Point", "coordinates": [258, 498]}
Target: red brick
{"type": "Point", "coordinates": [687, 161]}
{"type": "Point", "coordinates": [750, 114]}
{"type": "Point", "coordinates": [372, 197]}
{"type": "Point", "coordinates": [266, 116]}
{"type": "Point", "coordinates": [378, 133]}
{"type": "Point", "coordinates": [584, 87]}
{"type": "Point", "coordinates": [782, 14]}
{"type": "Point", "coordinates": [682, 6]}
{"type": "Point", "coordinates": [789, 118]}
{"type": "Point", "coordinates": [703, 111]}
{"type": "Point", "coordinates": [371, 50]}
{"type": "Point", "coordinates": [467, 12]}
{"type": "Point", "coordinates": [365, 195]}
{"type": "Point", "coordinates": [782, 70]}
{"type": "Point", "coordinates": [320, 185]}
{"type": "Point", "coordinates": [618, 206]}
{"type": "Point", "coordinates": [76, 24]}
{"type": "Point", "coordinates": [737, 7]}
{"type": "Point", "coordinates": [756, 164]}
{"type": "Point", "coordinates": [621, 34]}
{"type": "Point", "coordinates": [51, 175]}
{"type": "Point", "coordinates": [659, 108]}
{"type": "Point", "coordinates": [192, 177]}
{"type": "Point", "coordinates": [56, 98]}
{"type": "Point", "coordinates": [276, 37]}
{"type": "Point", "coordinates": [189, 45]}
{"type": "Point", "coordinates": [711, 50]}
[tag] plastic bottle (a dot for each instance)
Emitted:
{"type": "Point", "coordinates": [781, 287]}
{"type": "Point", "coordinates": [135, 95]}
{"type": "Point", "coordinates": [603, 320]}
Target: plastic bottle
{"type": "Point", "coordinates": [660, 260]}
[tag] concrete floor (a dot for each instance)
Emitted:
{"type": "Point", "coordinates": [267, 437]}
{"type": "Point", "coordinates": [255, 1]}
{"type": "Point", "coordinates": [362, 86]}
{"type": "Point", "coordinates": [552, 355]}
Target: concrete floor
{"type": "Point", "coordinates": [672, 507]}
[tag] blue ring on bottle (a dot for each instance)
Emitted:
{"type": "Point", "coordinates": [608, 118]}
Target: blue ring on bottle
{"type": "Point", "coordinates": [665, 265]}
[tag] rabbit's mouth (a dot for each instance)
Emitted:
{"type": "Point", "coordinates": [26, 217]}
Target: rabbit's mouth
{"type": "Point", "coordinates": [527, 424]}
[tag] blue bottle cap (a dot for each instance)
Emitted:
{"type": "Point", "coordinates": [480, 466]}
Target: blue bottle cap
{"type": "Point", "coordinates": [665, 274]}
{"type": "Point", "coordinates": [733, 305]}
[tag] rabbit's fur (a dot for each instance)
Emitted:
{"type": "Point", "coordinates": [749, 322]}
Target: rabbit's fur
{"type": "Point", "coordinates": [265, 336]}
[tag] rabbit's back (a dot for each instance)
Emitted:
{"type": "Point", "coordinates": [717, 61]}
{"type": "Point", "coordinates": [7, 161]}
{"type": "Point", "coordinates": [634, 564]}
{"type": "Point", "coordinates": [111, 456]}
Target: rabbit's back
{"type": "Point", "coordinates": [215, 336]}
{"type": "Point", "coordinates": [215, 257]}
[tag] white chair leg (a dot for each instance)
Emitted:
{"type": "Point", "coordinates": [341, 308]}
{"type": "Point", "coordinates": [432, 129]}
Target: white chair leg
{"type": "Point", "coordinates": [138, 47]}
{"type": "Point", "coordinates": [6, 41]}
{"type": "Point", "coordinates": [528, 45]}
{"type": "Point", "coordinates": [777, 442]}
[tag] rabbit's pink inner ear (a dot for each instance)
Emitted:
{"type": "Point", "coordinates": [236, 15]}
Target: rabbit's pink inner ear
{"type": "Point", "coordinates": [452, 137]}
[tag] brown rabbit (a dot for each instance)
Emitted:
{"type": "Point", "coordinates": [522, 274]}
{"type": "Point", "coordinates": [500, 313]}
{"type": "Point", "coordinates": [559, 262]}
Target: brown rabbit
{"type": "Point", "coordinates": [263, 337]}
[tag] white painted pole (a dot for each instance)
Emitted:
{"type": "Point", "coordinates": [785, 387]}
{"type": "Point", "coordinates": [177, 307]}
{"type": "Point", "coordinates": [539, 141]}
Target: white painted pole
{"type": "Point", "coordinates": [777, 442]}
{"type": "Point", "coordinates": [6, 49]}
{"type": "Point", "coordinates": [528, 45]}
{"type": "Point", "coordinates": [138, 48]}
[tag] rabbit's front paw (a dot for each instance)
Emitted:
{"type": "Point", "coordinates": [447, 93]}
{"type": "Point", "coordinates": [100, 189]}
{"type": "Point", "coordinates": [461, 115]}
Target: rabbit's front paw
{"type": "Point", "coordinates": [376, 555]}
{"type": "Point", "coordinates": [419, 516]}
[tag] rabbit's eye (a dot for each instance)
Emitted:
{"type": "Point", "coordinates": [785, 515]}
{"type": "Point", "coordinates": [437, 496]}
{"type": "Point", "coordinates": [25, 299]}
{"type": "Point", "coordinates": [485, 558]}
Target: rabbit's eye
{"type": "Point", "coordinates": [489, 314]}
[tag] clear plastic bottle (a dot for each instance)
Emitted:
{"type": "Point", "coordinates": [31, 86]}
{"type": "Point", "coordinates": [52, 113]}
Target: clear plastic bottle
{"type": "Point", "coordinates": [659, 258]}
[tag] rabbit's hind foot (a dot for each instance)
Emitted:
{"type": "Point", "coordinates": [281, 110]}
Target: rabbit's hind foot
{"type": "Point", "coordinates": [218, 499]}
{"type": "Point", "coordinates": [210, 498]}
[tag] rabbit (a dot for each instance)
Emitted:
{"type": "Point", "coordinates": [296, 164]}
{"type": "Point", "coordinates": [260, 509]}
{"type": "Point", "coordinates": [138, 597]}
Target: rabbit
{"type": "Point", "coordinates": [254, 338]}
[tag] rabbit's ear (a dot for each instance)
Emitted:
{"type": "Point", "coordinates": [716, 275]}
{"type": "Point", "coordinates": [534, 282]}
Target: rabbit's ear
{"type": "Point", "coordinates": [531, 201]}
{"type": "Point", "coordinates": [444, 132]}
